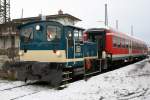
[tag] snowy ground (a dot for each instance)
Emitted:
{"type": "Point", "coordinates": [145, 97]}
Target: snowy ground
{"type": "Point", "coordinates": [128, 83]}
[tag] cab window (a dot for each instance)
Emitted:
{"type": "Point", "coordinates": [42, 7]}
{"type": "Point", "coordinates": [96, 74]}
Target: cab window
{"type": "Point", "coordinates": [78, 35]}
{"type": "Point", "coordinates": [53, 33]}
{"type": "Point", "coordinates": [27, 34]}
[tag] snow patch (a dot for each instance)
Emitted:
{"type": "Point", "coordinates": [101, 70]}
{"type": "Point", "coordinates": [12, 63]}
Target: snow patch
{"type": "Point", "coordinates": [128, 83]}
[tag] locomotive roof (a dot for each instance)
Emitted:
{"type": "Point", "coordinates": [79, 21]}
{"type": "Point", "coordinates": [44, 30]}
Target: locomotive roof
{"type": "Point", "coordinates": [51, 21]}
{"type": "Point", "coordinates": [38, 22]}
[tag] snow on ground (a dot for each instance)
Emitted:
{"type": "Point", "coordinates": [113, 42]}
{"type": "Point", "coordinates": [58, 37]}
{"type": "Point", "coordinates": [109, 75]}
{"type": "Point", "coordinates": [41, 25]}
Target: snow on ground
{"type": "Point", "coordinates": [128, 83]}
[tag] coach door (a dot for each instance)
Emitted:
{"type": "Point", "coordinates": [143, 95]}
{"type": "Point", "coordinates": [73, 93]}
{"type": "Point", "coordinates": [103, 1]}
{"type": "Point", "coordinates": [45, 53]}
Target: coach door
{"type": "Point", "coordinates": [130, 48]}
{"type": "Point", "coordinates": [100, 37]}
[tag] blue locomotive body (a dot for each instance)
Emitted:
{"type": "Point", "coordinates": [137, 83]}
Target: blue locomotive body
{"type": "Point", "coordinates": [49, 49]}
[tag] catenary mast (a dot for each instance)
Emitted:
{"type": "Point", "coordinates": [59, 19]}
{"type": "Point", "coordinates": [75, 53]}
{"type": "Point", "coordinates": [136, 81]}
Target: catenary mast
{"type": "Point", "coordinates": [4, 11]}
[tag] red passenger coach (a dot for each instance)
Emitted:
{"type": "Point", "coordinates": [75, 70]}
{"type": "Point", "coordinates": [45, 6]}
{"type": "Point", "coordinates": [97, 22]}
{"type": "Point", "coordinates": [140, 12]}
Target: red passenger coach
{"type": "Point", "coordinates": [116, 45]}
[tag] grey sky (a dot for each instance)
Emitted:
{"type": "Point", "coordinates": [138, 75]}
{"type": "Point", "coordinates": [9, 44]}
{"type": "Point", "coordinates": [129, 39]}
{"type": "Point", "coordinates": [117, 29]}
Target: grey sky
{"type": "Point", "coordinates": [128, 12]}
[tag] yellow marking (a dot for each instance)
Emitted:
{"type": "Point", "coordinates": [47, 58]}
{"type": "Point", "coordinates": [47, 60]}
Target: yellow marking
{"type": "Point", "coordinates": [42, 56]}
{"type": "Point", "coordinates": [47, 56]}
{"type": "Point", "coordinates": [93, 57]}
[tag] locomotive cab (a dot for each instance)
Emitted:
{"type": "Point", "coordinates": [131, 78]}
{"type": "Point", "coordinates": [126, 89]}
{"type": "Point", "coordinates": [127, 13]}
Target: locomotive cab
{"type": "Point", "coordinates": [42, 52]}
{"type": "Point", "coordinates": [40, 36]}
{"type": "Point", "coordinates": [98, 36]}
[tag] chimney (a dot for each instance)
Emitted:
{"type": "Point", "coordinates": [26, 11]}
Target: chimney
{"type": "Point", "coordinates": [42, 17]}
{"type": "Point", "coordinates": [60, 12]}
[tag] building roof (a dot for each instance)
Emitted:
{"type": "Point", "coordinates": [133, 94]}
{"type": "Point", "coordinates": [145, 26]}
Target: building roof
{"type": "Point", "coordinates": [47, 18]}
{"type": "Point", "coordinates": [8, 29]}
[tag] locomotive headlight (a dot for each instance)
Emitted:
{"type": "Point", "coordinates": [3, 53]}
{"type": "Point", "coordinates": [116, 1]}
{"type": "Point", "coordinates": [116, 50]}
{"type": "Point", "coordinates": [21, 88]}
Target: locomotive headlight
{"type": "Point", "coordinates": [70, 35]}
{"type": "Point", "coordinates": [58, 53]}
{"type": "Point", "coordinates": [37, 27]}
{"type": "Point", "coordinates": [20, 53]}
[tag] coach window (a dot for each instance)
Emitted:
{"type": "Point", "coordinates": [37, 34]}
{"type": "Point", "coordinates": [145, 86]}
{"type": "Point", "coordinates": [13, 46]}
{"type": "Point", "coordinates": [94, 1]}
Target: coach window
{"type": "Point", "coordinates": [114, 41]}
{"type": "Point", "coordinates": [136, 45]}
{"type": "Point", "coordinates": [53, 33]}
{"type": "Point", "coordinates": [27, 34]}
{"type": "Point", "coordinates": [127, 43]}
{"type": "Point", "coordinates": [133, 45]}
{"type": "Point", "coordinates": [142, 47]}
{"type": "Point", "coordinates": [122, 42]}
{"type": "Point", "coordinates": [139, 46]}
{"type": "Point", "coordinates": [119, 42]}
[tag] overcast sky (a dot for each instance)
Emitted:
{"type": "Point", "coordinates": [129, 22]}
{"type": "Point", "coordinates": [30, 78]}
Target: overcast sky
{"type": "Point", "coordinates": [91, 12]}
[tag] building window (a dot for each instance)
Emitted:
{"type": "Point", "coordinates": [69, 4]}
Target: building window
{"type": "Point", "coordinates": [53, 33]}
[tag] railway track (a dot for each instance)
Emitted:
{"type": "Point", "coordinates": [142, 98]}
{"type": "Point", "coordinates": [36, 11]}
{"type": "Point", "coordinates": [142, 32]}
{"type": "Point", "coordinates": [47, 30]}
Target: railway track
{"type": "Point", "coordinates": [25, 95]}
{"type": "Point", "coordinates": [4, 81]}
{"type": "Point", "coordinates": [10, 85]}
{"type": "Point", "coordinates": [15, 91]}
{"type": "Point", "coordinates": [18, 90]}
{"type": "Point", "coordinates": [10, 88]}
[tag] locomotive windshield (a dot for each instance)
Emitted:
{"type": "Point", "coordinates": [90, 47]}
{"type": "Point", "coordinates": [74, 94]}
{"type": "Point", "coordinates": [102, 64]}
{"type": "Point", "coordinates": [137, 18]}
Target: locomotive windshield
{"type": "Point", "coordinates": [27, 34]}
{"type": "Point", "coordinates": [53, 33]}
{"type": "Point", "coordinates": [78, 35]}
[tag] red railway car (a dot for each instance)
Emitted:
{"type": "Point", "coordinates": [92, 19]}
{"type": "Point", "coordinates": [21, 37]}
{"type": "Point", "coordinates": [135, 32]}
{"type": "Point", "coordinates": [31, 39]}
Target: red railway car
{"type": "Point", "coordinates": [116, 46]}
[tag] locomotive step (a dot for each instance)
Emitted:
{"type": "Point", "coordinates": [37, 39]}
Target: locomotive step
{"type": "Point", "coordinates": [92, 73]}
{"type": "Point", "coordinates": [67, 72]}
{"type": "Point", "coordinates": [66, 79]}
